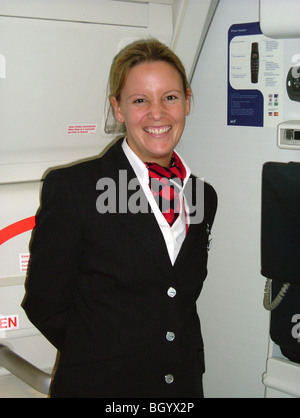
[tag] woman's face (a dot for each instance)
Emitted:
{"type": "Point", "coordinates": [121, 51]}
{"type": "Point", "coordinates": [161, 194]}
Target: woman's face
{"type": "Point", "coordinates": [153, 106]}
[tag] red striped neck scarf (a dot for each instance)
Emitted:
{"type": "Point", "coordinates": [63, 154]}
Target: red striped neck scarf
{"type": "Point", "coordinates": [166, 184]}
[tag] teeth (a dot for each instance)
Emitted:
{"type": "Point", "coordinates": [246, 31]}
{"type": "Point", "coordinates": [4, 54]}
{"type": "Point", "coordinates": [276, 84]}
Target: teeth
{"type": "Point", "coordinates": [158, 131]}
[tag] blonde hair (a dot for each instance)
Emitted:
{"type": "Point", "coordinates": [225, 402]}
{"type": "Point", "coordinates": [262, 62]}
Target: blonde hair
{"type": "Point", "coordinates": [145, 50]}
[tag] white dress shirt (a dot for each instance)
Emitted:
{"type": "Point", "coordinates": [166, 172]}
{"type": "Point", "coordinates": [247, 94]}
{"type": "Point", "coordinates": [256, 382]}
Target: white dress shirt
{"type": "Point", "coordinates": [175, 235]}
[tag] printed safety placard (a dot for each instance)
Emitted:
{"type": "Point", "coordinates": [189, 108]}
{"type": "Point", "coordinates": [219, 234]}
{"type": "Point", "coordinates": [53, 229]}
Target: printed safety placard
{"type": "Point", "coordinates": [82, 129]}
{"type": "Point", "coordinates": [255, 77]}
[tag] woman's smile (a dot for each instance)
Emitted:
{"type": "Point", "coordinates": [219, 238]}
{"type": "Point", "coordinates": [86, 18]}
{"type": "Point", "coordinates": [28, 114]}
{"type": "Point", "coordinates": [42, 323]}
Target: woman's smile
{"type": "Point", "coordinates": [157, 130]}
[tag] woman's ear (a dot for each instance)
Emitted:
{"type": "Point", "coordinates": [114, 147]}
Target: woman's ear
{"type": "Point", "coordinates": [188, 101]}
{"type": "Point", "coordinates": [117, 110]}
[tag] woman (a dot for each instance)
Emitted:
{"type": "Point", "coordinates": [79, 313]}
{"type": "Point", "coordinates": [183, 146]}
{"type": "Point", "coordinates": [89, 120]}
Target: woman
{"type": "Point", "coordinates": [113, 280]}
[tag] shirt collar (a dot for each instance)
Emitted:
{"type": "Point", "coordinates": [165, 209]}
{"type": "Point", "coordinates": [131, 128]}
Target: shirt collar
{"type": "Point", "coordinates": [140, 168]}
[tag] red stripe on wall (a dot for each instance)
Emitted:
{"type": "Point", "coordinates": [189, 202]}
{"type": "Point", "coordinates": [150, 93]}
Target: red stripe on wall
{"type": "Point", "coordinates": [16, 228]}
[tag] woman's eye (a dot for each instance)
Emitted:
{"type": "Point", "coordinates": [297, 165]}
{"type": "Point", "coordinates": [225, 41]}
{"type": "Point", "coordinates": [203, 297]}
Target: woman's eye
{"type": "Point", "coordinates": [139, 101]}
{"type": "Point", "coordinates": [171, 97]}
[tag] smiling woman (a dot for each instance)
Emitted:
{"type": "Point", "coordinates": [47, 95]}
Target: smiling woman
{"type": "Point", "coordinates": [153, 105]}
{"type": "Point", "coordinates": [151, 96]}
{"type": "Point", "coordinates": [119, 252]}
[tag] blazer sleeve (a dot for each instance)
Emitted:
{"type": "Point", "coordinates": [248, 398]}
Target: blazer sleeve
{"type": "Point", "coordinates": [54, 258]}
{"type": "Point", "coordinates": [211, 204]}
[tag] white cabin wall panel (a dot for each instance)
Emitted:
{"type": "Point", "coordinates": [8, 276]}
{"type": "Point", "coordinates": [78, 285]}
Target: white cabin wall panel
{"type": "Point", "coordinates": [101, 11]}
{"type": "Point", "coordinates": [280, 18]}
{"type": "Point", "coordinates": [57, 72]}
{"type": "Point", "coordinates": [56, 77]}
{"type": "Point", "coordinates": [234, 322]}
{"type": "Point", "coordinates": [195, 21]}
{"type": "Point", "coordinates": [18, 202]}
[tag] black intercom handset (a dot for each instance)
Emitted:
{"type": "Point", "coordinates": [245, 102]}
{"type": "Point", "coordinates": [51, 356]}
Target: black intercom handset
{"type": "Point", "coordinates": [280, 253]}
{"type": "Point", "coordinates": [254, 62]}
{"type": "Point", "coordinates": [293, 83]}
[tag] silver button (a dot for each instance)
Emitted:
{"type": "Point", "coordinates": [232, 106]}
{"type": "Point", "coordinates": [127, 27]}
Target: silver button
{"type": "Point", "coordinates": [171, 292]}
{"type": "Point", "coordinates": [170, 336]}
{"type": "Point", "coordinates": [169, 378]}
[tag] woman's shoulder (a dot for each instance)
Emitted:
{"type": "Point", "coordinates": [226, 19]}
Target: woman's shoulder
{"type": "Point", "coordinates": [209, 191]}
{"type": "Point", "coordinates": [84, 169]}
{"type": "Point", "coordinates": [209, 196]}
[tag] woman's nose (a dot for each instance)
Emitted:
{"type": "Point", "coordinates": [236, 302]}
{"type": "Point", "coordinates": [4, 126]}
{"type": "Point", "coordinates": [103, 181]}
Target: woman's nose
{"type": "Point", "coordinates": [156, 111]}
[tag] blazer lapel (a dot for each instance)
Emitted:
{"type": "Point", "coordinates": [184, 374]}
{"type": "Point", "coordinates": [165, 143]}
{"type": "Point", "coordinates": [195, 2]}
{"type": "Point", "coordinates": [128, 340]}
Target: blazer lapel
{"type": "Point", "coordinates": [189, 242]}
{"type": "Point", "coordinates": [143, 226]}
{"type": "Point", "coordinates": [147, 233]}
{"type": "Point", "coordinates": [195, 200]}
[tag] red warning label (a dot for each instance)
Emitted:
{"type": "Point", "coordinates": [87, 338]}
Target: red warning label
{"type": "Point", "coordinates": [81, 129]}
{"type": "Point", "coordinates": [9, 322]}
{"type": "Point", "coordinates": [24, 261]}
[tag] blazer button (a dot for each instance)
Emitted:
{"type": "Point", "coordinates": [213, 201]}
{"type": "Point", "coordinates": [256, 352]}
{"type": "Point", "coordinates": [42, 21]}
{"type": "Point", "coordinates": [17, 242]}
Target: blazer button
{"type": "Point", "coordinates": [171, 292]}
{"type": "Point", "coordinates": [170, 336]}
{"type": "Point", "coordinates": [169, 378]}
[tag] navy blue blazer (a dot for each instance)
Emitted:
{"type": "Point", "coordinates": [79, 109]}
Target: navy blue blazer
{"type": "Point", "coordinates": [103, 291]}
